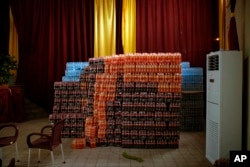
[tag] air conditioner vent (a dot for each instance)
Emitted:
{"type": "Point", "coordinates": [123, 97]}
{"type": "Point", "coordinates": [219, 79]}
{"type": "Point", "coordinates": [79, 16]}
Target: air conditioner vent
{"type": "Point", "coordinates": [213, 63]}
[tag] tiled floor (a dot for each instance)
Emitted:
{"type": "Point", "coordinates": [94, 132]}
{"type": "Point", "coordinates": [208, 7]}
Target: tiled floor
{"type": "Point", "coordinates": [191, 152]}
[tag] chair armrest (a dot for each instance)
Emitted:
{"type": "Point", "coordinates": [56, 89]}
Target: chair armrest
{"type": "Point", "coordinates": [46, 127]}
{"type": "Point", "coordinates": [14, 128]}
{"type": "Point", "coordinates": [8, 125]}
{"type": "Point", "coordinates": [40, 135]}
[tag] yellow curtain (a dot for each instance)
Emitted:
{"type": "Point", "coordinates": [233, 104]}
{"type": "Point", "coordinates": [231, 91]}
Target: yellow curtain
{"type": "Point", "coordinates": [13, 43]}
{"type": "Point", "coordinates": [105, 28]}
{"type": "Point", "coordinates": [129, 26]}
{"type": "Point", "coordinates": [13, 38]}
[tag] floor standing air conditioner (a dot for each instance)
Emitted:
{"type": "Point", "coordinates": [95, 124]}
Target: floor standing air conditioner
{"type": "Point", "coordinates": [223, 104]}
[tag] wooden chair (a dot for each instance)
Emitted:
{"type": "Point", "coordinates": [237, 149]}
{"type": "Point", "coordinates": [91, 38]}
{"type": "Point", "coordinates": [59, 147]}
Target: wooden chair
{"type": "Point", "coordinates": [9, 139]}
{"type": "Point", "coordinates": [46, 141]}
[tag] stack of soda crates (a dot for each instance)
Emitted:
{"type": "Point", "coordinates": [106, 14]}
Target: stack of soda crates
{"type": "Point", "coordinates": [132, 100]}
{"type": "Point", "coordinates": [192, 112]}
{"type": "Point", "coordinates": [68, 106]}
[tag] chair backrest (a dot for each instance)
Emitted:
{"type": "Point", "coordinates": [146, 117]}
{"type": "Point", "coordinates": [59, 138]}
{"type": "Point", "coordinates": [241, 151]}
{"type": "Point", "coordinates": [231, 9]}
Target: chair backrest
{"type": "Point", "coordinates": [12, 135]}
{"type": "Point", "coordinates": [56, 133]}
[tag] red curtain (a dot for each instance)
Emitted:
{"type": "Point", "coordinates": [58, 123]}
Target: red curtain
{"type": "Point", "coordinates": [51, 33]}
{"type": "Point", "coordinates": [186, 26]}
{"type": "Point", "coordinates": [119, 46]}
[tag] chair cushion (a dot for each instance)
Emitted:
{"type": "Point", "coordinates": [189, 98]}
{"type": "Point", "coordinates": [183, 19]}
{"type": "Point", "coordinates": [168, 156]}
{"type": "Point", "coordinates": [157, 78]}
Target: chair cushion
{"type": "Point", "coordinates": [42, 143]}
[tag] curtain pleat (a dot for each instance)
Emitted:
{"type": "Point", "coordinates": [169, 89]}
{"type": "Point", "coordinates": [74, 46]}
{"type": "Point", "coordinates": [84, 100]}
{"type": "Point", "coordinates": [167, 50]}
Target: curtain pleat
{"type": "Point", "coordinates": [119, 45]}
{"type": "Point", "coordinates": [51, 33]}
{"type": "Point", "coordinates": [177, 26]}
{"type": "Point", "coordinates": [233, 42]}
{"type": "Point", "coordinates": [129, 26]}
{"type": "Point", "coordinates": [105, 28]}
{"type": "Point", "coordinates": [13, 39]}
{"type": "Point", "coordinates": [13, 43]}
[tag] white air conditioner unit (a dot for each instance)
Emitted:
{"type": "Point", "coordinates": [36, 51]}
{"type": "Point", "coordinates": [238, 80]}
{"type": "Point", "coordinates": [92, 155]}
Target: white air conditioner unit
{"type": "Point", "coordinates": [223, 104]}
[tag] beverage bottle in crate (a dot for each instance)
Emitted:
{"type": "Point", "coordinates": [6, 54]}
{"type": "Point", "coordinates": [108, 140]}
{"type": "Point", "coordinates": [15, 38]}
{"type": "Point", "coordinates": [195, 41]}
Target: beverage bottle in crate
{"type": "Point", "coordinates": [74, 144]}
{"type": "Point", "coordinates": [92, 142]}
{"type": "Point", "coordinates": [101, 133]}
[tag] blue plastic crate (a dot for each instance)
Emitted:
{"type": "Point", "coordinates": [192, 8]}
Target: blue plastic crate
{"type": "Point", "coordinates": [76, 65]}
{"type": "Point", "coordinates": [70, 78]}
{"type": "Point", "coordinates": [192, 79]}
{"type": "Point", "coordinates": [185, 64]}
{"type": "Point", "coordinates": [73, 72]}
{"type": "Point", "coordinates": [192, 71]}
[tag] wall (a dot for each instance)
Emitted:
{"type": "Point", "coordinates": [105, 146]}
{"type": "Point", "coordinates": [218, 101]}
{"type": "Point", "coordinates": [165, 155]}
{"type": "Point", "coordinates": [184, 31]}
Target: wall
{"type": "Point", "coordinates": [239, 16]}
{"type": "Point", "coordinates": [242, 12]}
{"type": "Point", "coordinates": [246, 50]}
{"type": "Point", "coordinates": [243, 26]}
